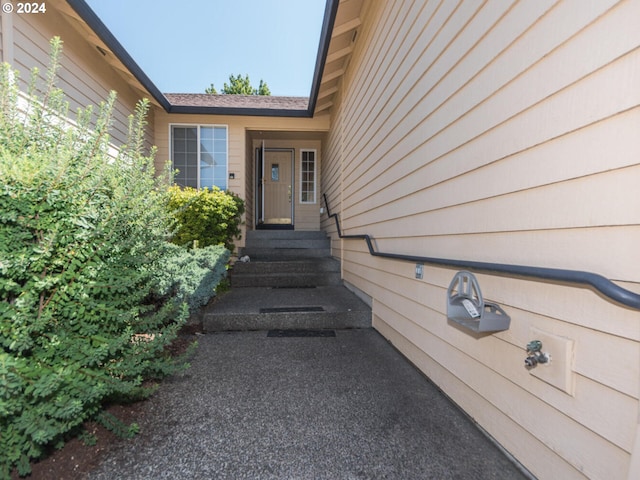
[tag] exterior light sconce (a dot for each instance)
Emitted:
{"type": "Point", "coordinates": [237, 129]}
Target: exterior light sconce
{"type": "Point", "coordinates": [466, 307]}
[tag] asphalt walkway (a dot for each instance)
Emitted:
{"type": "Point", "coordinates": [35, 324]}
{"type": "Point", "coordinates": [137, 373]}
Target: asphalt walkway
{"type": "Point", "coordinates": [343, 407]}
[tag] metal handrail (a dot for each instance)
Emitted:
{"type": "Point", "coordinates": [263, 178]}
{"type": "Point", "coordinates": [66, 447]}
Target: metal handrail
{"type": "Point", "coordinates": [601, 284]}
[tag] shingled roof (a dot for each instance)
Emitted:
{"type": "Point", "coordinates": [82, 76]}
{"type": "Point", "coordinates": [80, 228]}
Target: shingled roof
{"type": "Point", "coordinates": [237, 101]}
{"type": "Point", "coordinates": [237, 104]}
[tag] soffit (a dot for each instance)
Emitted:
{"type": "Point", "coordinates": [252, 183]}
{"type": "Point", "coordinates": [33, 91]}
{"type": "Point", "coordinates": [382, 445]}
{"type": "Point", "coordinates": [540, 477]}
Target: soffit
{"type": "Point", "coordinates": [285, 135]}
{"type": "Point", "coordinates": [80, 25]}
{"type": "Point", "coordinates": [341, 45]}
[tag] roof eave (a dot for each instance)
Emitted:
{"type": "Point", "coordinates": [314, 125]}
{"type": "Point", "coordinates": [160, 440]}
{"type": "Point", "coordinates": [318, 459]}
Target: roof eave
{"type": "Point", "coordinates": [330, 12]}
{"type": "Point", "coordinates": [93, 21]}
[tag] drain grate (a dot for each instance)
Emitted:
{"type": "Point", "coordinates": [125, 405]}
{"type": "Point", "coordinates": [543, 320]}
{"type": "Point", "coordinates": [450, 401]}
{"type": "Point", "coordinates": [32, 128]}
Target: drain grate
{"type": "Point", "coordinates": [293, 286]}
{"type": "Point", "coordinates": [301, 333]}
{"type": "Point", "coordinates": [291, 309]}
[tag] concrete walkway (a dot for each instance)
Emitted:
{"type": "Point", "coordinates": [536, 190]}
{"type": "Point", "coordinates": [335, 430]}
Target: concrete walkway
{"type": "Point", "coordinates": [343, 407]}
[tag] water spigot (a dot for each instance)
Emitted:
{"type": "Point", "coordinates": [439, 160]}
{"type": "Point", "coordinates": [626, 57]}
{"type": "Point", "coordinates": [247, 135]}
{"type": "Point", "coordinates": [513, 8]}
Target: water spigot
{"type": "Point", "coordinates": [535, 355]}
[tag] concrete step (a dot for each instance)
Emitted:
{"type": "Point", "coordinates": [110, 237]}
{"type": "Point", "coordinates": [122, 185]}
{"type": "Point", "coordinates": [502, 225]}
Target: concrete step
{"type": "Point", "coordinates": [286, 280]}
{"type": "Point", "coordinates": [313, 243]}
{"type": "Point", "coordinates": [282, 240]}
{"type": "Point", "coordinates": [286, 244]}
{"type": "Point", "coordinates": [326, 307]}
{"type": "Point", "coordinates": [292, 273]}
{"type": "Point", "coordinates": [305, 265]}
{"type": "Point", "coordinates": [284, 253]}
{"type": "Point", "coordinates": [284, 234]}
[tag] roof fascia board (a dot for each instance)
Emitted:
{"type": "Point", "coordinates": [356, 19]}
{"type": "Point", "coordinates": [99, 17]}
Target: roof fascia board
{"type": "Point", "coordinates": [330, 12]}
{"type": "Point", "coordinates": [93, 21]}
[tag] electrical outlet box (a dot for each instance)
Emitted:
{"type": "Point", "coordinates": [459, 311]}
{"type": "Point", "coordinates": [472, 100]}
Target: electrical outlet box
{"type": "Point", "coordinates": [559, 371]}
{"type": "Point", "coordinates": [419, 271]}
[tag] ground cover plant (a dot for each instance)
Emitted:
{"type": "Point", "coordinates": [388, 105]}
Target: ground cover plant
{"type": "Point", "coordinates": [88, 297]}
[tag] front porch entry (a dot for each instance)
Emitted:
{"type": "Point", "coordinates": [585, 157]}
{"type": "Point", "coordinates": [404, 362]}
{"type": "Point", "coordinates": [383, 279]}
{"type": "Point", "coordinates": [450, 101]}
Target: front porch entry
{"type": "Point", "coordinates": [282, 186]}
{"type": "Point", "coordinates": [275, 184]}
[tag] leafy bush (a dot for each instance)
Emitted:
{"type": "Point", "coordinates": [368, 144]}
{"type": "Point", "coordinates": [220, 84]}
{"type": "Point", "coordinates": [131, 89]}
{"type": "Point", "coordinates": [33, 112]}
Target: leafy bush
{"type": "Point", "coordinates": [191, 276]}
{"type": "Point", "coordinates": [85, 308]}
{"type": "Point", "coordinates": [210, 217]}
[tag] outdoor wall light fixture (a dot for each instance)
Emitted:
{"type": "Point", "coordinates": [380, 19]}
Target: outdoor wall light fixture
{"type": "Point", "coordinates": [466, 307]}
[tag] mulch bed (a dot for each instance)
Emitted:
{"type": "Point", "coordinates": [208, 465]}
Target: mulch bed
{"type": "Point", "coordinates": [76, 460]}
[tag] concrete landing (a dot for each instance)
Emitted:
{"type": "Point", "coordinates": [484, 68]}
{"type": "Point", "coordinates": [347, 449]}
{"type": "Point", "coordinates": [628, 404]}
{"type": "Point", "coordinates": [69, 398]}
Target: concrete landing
{"type": "Point", "coordinates": [317, 308]}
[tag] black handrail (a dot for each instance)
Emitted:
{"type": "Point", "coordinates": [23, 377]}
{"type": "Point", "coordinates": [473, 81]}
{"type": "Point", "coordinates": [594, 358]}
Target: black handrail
{"type": "Point", "coordinates": [575, 277]}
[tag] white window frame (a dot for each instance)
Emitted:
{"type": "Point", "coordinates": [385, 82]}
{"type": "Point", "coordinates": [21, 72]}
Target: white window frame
{"type": "Point", "coordinates": [315, 176]}
{"type": "Point", "coordinates": [198, 127]}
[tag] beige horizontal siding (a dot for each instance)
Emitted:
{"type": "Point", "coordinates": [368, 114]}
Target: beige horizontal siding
{"type": "Point", "coordinates": [575, 441]}
{"type": "Point", "coordinates": [453, 182]}
{"type": "Point", "coordinates": [332, 183]}
{"type": "Point", "coordinates": [5, 42]}
{"type": "Point", "coordinates": [394, 283]}
{"type": "Point", "coordinates": [553, 465]}
{"type": "Point", "coordinates": [84, 75]}
{"type": "Point", "coordinates": [307, 217]}
{"type": "Point", "coordinates": [502, 132]}
{"type": "Point", "coordinates": [529, 435]}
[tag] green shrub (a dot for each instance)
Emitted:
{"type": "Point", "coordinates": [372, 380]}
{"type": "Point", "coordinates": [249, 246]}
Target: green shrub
{"type": "Point", "coordinates": [83, 249]}
{"type": "Point", "coordinates": [192, 276]}
{"type": "Point", "coordinates": [209, 217]}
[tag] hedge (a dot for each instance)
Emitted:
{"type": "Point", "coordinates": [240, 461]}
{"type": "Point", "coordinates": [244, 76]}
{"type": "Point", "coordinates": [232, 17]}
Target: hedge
{"type": "Point", "coordinates": [87, 302]}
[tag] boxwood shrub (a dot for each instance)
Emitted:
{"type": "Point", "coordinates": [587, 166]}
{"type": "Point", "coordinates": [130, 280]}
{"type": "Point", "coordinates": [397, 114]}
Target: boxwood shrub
{"type": "Point", "coordinates": [206, 216]}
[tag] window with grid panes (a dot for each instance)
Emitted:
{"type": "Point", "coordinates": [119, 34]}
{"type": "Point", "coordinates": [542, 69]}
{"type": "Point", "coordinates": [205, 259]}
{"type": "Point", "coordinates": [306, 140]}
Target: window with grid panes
{"type": "Point", "coordinates": [308, 176]}
{"type": "Point", "coordinates": [199, 154]}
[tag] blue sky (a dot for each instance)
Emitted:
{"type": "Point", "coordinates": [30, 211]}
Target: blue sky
{"type": "Point", "coordinates": [185, 45]}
